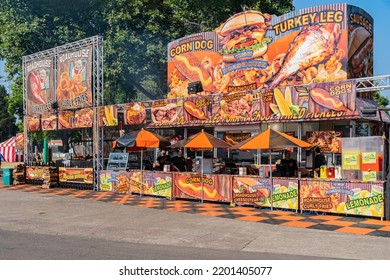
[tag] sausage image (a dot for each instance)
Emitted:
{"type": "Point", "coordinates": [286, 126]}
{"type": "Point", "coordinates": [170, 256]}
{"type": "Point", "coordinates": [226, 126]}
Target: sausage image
{"type": "Point", "coordinates": [191, 109]}
{"type": "Point", "coordinates": [323, 98]}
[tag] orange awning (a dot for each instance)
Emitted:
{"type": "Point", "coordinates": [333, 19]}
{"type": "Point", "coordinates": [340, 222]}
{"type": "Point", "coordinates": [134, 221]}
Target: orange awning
{"type": "Point", "coordinates": [271, 139]}
{"type": "Point", "coordinates": [204, 140]}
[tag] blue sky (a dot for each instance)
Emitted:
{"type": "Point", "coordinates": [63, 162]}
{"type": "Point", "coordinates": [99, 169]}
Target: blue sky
{"type": "Point", "coordinates": [378, 9]}
{"type": "Point", "coordinates": [380, 12]}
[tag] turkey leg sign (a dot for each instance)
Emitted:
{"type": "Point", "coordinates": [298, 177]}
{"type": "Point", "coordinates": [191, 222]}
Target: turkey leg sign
{"type": "Point", "coordinates": [34, 91]}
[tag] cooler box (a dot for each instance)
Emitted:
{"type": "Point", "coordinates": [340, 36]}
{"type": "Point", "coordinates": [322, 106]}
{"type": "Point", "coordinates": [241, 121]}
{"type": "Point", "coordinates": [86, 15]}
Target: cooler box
{"type": "Point", "coordinates": [8, 178]}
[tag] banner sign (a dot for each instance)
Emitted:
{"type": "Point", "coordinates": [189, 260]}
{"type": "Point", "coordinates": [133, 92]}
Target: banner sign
{"type": "Point", "coordinates": [49, 122]}
{"type": "Point", "coordinates": [366, 199]}
{"type": "Point", "coordinates": [37, 172]}
{"type": "Point", "coordinates": [215, 187]}
{"type": "Point", "coordinates": [83, 118]}
{"type": "Point", "coordinates": [252, 191]}
{"type": "Point", "coordinates": [328, 141]}
{"type": "Point", "coordinates": [256, 51]}
{"type": "Point", "coordinates": [40, 86]}
{"type": "Point", "coordinates": [167, 113]}
{"type": "Point", "coordinates": [361, 43]}
{"type": "Point", "coordinates": [65, 120]}
{"type": "Point", "coordinates": [285, 193]}
{"type": "Point", "coordinates": [34, 123]}
{"type": "Point", "coordinates": [74, 86]}
{"type": "Point", "coordinates": [235, 138]}
{"type": "Point", "coordinates": [108, 115]}
{"type": "Point", "coordinates": [75, 175]}
{"type": "Point", "coordinates": [115, 181]}
{"type": "Point", "coordinates": [198, 110]}
{"type": "Point", "coordinates": [19, 144]}
{"type": "Point", "coordinates": [134, 113]}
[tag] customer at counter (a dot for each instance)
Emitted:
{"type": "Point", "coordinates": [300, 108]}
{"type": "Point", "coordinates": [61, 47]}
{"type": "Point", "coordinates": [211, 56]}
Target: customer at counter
{"type": "Point", "coordinates": [291, 164]}
{"type": "Point", "coordinates": [179, 163]}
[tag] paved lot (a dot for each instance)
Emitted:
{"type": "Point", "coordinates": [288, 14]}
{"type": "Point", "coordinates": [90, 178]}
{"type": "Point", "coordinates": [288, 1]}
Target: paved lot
{"type": "Point", "coordinates": [142, 220]}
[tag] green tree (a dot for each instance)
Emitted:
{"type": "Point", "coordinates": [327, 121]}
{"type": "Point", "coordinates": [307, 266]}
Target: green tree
{"type": "Point", "coordinates": [135, 32]}
{"type": "Point", "coordinates": [381, 100]}
{"type": "Point", "coordinates": [7, 121]}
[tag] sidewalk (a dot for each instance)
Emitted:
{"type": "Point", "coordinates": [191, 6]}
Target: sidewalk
{"type": "Point", "coordinates": [152, 220]}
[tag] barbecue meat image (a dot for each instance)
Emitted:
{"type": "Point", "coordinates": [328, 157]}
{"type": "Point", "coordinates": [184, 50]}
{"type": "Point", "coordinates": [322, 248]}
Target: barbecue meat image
{"type": "Point", "coordinates": [311, 46]}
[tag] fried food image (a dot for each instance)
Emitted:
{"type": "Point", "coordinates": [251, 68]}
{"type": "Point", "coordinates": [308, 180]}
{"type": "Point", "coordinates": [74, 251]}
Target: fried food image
{"type": "Point", "coordinates": [83, 118]}
{"type": "Point", "coordinates": [49, 122]}
{"type": "Point", "coordinates": [323, 98]}
{"type": "Point", "coordinates": [167, 113]}
{"type": "Point", "coordinates": [316, 194]}
{"type": "Point", "coordinates": [33, 123]}
{"type": "Point", "coordinates": [194, 111]}
{"type": "Point", "coordinates": [135, 114]}
{"type": "Point", "coordinates": [66, 119]}
{"type": "Point", "coordinates": [123, 186]}
{"type": "Point", "coordinates": [70, 88]}
{"type": "Point", "coordinates": [313, 45]}
{"type": "Point", "coordinates": [328, 141]}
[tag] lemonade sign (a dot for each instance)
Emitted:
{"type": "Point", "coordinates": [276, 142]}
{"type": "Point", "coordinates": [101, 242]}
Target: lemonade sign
{"type": "Point", "coordinates": [285, 194]}
{"type": "Point", "coordinates": [369, 158]}
{"type": "Point", "coordinates": [365, 202]}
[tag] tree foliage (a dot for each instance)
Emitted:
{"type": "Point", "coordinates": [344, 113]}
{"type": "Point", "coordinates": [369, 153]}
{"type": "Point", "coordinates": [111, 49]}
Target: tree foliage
{"type": "Point", "coordinates": [135, 32]}
{"type": "Point", "coordinates": [7, 121]}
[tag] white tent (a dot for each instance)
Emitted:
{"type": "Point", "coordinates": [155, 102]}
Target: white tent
{"type": "Point", "coordinates": [8, 149]}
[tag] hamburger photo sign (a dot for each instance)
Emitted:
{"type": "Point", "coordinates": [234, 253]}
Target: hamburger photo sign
{"type": "Point", "coordinates": [243, 36]}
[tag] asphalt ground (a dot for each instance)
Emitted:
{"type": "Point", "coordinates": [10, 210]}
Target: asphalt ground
{"type": "Point", "coordinates": [135, 220]}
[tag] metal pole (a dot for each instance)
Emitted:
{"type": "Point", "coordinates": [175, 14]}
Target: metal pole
{"type": "Point", "coordinates": [270, 177]}
{"type": "Point", "coordinates": [142, 179]}
{"type": "Point", "coordinates": [201, 176]}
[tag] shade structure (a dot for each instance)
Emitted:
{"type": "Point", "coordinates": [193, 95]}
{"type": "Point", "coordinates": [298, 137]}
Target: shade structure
{"type": "Point", "coordinates": [271, 139]}
{"type": "Point", "coordinates": [203, 141]}
{"type": "Point", "coordinates": [7, 149]}
{"type": "Point", "coordinates": [140, 140]}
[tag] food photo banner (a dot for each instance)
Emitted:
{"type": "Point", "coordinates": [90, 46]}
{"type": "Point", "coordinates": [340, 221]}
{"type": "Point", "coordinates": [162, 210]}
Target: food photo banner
{"type": "Point", "coordinates": [215, 187]}
{"type": "Point", "coordinates": [252, 51]}
{"type": "Point", "coordinates": [352, 198]}
{"type": "Point", "coordinates": [321, 101]}
{"type": "Point", "coordinates": [75, 175]}
{"type": "Point", "coordinates": [40, 86]}
{"type": "Point", "coordinates": [108, 115]}
{"type": "Point", "coordinates": [74, 86]}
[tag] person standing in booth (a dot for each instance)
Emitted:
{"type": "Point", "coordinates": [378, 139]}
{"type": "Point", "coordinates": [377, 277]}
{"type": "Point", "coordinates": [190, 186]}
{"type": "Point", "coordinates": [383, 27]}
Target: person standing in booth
{"type": "Point", "coordinates": [179, 162]}
{"type": "Point", "coordinates": [319, 160]}
{"type": "Point", "coordinates": [162, 159]}
{"type": "Point", "coordinates": [292, 166]}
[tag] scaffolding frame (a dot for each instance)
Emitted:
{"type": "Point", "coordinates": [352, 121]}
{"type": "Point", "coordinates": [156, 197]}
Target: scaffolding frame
{"type": "Point", "coordinates": [97, 93]}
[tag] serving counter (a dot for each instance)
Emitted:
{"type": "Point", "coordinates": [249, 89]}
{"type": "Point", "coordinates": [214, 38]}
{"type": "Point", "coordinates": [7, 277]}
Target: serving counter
{"type": "Point", "coordinates": [304, 194]}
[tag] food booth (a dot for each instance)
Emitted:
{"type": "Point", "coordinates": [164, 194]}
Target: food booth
{"type": "Point", "coordinates": [294, 73]}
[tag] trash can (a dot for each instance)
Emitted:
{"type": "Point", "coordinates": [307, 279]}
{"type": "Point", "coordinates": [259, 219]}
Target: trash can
{"type": "Point", "coordinates": [8, 178]}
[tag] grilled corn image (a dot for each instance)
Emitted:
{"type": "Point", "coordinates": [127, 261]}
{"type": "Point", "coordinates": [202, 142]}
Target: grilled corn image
{"type": "Point", "coordinates": [283, 106]}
